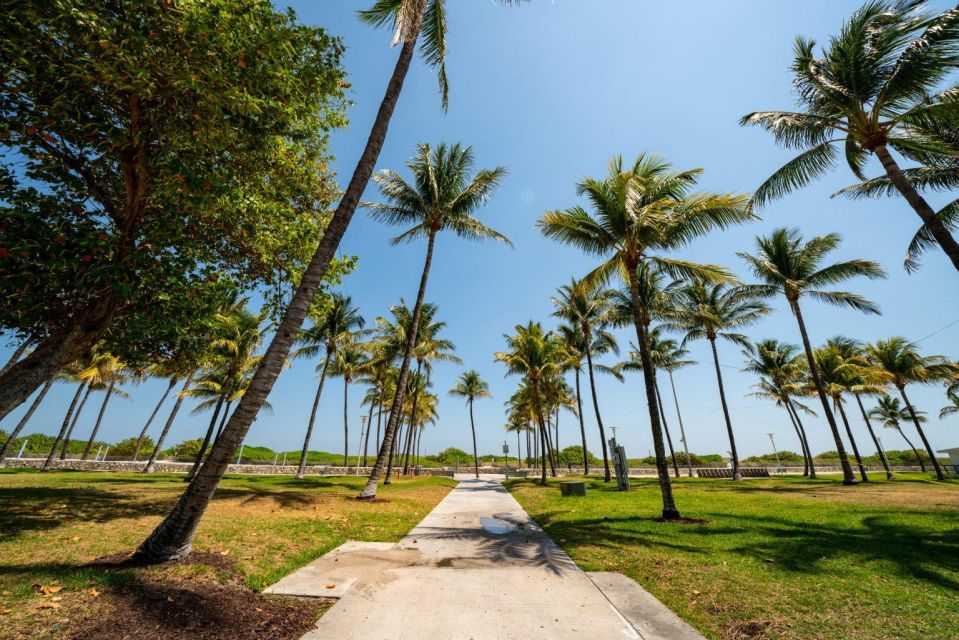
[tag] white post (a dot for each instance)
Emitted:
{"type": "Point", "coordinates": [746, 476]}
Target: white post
{"type": "Point", "coordinates": [97, 457]}
{"type": "Point", "coordinates": [240, 457]}
{"type": "Point", "coordinates": [359, 445]}
{"type": "Point", "coordinates": [283, 464]}
{"type": "Point", "coordinates": [778, 463]}
{"type": "Point", "coordinates": [107, 450]}
{"type": "Point", "coordinates": [275, 458]}
{"type": "Point", "coordinates": [22, 449]}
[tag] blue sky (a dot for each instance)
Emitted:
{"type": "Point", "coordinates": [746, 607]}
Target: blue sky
{"type": "Point", "coordinates": [552, 90]}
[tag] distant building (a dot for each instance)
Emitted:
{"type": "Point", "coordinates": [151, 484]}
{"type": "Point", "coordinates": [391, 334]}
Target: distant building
{"type": "Point", "coordinates": [953, 458]}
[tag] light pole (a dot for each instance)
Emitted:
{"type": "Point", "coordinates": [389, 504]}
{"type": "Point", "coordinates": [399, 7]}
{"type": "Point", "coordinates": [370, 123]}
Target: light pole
{"type": "Point", "coordinates": [359, 446]}
{"type": "Point", "coordinates": [778, 463]}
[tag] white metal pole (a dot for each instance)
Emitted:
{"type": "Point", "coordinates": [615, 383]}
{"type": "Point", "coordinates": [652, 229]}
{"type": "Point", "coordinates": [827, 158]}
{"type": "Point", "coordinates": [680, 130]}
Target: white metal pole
{"type": "Point", "coordinates": [22, 449]}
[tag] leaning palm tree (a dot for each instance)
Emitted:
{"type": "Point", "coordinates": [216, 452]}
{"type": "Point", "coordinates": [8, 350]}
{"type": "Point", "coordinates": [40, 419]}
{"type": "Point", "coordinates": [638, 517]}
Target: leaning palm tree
{"type": "Point", "coordinates": [350, 363]}
{"type": "Point", "coordinates": [792, 268]}
{"type": "Point", "coordinates": [330, 330]}
{"type": "Point", "coordinates": [901, 364]}
{"type": "Point", "coordinates": [591, 309]}
{"type": "Point", "coordinates": [106, 370]}
{"type": "Point", "coordinates": [173, 537]}
{"type": "Point", "coordinates": [640, 213]}
{"type": "Point", "coordinates": [26, 418]}
{"type": "Point", "coordinates": [712, 312]}
{"type": "Point", "coordinates": [471, 386]}
{"type": "Point", "coordinates": [878, 80]}
{"type": "Point", "coordinates": [951, 408]}
{"type": "Point", "coordinates": [444, 196]}
{"type": "Point", "coordinates": [891, 414]}
{"type": "Point", "coordinates": [575, 342]}
{"type": "Point", "coordinates": [837, 378]}
{"type": "Point", "coordinates": [150, 466]}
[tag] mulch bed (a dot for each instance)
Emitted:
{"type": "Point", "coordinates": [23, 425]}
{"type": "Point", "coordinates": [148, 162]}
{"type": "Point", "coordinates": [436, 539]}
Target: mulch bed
{"type": "Point", "coordinates": [172, 602]}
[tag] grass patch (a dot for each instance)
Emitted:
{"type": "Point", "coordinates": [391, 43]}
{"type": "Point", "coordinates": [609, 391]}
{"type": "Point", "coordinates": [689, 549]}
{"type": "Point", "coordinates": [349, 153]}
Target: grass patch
{"type": "Point", "coordinates": [778, 558]}
{"type": "Point", "coordinates": [263, 527]}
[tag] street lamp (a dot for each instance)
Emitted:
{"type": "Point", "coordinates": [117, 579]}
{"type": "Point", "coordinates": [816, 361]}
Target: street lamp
{"type": "Point", "coordinates": [359, 446]}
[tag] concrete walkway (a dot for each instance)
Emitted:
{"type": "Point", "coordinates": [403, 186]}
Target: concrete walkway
{"type": "Point", "coordinates": [478, 568]}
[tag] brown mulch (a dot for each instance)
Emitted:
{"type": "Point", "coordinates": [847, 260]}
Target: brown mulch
{"type": "Point", "coordinates": [175, 601]}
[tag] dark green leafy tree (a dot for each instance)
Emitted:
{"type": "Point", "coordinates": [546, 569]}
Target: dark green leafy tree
{"type": "Point", "coordinates": [871, 91]}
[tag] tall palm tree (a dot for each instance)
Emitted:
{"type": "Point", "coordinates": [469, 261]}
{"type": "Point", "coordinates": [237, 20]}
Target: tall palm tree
{"type": "Point", "coordinates": [330, 330]}
{"type": "Point", "coordinates": [171, 370]}
{"type": "Point", "coordinates": [792, 268]}
{"type": "Point", "coordinates": [150, 466]}
{"type": "Point", "coordinates": [173, 537]}
{"type": "Point", "coordinates": [673, 359]}
{"type": "Point", "coordinates": [717, 311]}
{"type": "Point", "coordinates": [641, 212]}
{"type": "Point", "coordinates": [575, 342]}
{"type": "Point", "coordinates": [69, 374]}
{"type": "Point", "coordinates": [901, 364]}
{"type": "Point", "coordinates": [879, 78]}
{"type": "Point", "coordinates": [105, 369]}
{"type": "Point", "coordinates": [591, 308]}
{"type": "Point", "coordinates": [951, 408]}
{"type": "Point", "coordinates": [444, 196]}
{"type": "Point", "coordinates": [891, 414]}
{"type": "Point", "coordinates": [25, 419]}
{"type": "Point", "coordinates": [837, 378]}
{"type": "Point", "coordinates": [781, 372]}
{"type": "Point", "coordinates": [537, 356]}
{"type": "Point", "coordinates": [350, 363]}
{"type": "Point", "coordinates": [471, 386]}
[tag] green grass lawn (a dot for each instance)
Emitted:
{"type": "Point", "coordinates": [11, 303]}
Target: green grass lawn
{"type": "Point", "coordinates": [53, 524]}
{"type": "Point", "coordinates": [778, 558]}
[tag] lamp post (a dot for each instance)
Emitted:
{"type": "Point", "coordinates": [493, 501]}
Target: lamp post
{"type": "Point", "coordinates": [776, 451]}
{"type": "Point", "coordinates": [359, 446]}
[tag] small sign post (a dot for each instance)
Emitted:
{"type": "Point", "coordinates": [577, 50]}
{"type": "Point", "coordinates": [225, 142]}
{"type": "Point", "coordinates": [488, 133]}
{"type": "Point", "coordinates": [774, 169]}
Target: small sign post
{"type": "Point", "coordinates": [620, 464]}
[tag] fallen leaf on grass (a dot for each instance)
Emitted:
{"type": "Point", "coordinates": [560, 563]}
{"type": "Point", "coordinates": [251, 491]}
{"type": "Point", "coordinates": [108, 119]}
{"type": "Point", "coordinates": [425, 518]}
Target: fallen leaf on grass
{"type": "Point", "coordinates": [49, 605]}
{"type": "Point", "coordinates": [51, 589]}
{"type": "Point", "coordinates": [696, 592]}
{"type": "Point", "coordinates": [331, 586]}
{"type": "Point", "coordinates": [75, 538]}
{"type": "Point", "coordinates": [94, 592]}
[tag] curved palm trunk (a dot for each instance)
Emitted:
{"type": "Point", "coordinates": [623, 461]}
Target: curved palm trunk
{"type": "Point", "coordinates": [15, 356]}
{"type": "Point", "coordinates": [669, 438]}
{"type": "Point", "coordinates": [599, 419]}
{"type": "Point", "coordinates": [63, 428]}
{"type": "Point", "coordinates": [206, 440]}
{"type": "Point", "coordinates": [875, 440]}
{"type": "Point", "coordinates": [309, 426]}
{"type": "Point", "coordinates": [729, 424]}
{"type": "Point", "coordinates": [369, 491]}
{"type": "Point", "coordinates": [151, 463]}
{"type": "Point", "coordinates": [922, 465]}
{"type": "Point", "coordinates": [387, 479]}
{"type": "Point", "coordinates": [409, 431]}
{"type": "Point", "coordinates": [473, 429]}
{"type": "Point", "coordinates": [556, 429]}
{"type": "Point", "coordinates": [852, 441]}
{"type": "Point", "coordinates": [542, 435]}
{"type": "Point", "coordinates": [922, 434]}
{"type": "Point", "coordinates": [96, 427]}
{"type": "Point", "coordinates": [346, 422]}
{"type": "Point", "coordinates": [670, 512]}
{"type": "Point", "coordinates": [582, 426]}
{"type": "Point", "coordinates": [73, 424]}
{"type": "Point", "coordinates": [682, 429]}
{"type": "Point", "coordinates": [929, 218]}
{"type": "Point", "coordinates": [369, 427]}
{"type": "Point", "coordinates": [550, 450]}
{"type": "Point", "coordinates": [173, 537]}
{"type": "Point", "coordinates": [379, 422]}
{"type": "Point", "coordinates": [805, 441]}
{"type": "Point", "coordinates": [802, 442]}
{"type": "Point", "coordinates": [58, 350]}
{"type": "Point", "coordinates": [847, 475]}
{"type": "Point", "coordinates": [156, 409]}
{"type": "Point", "coordinates": [223, 419]}
{"type": "Point", "coordinates": [24, 420]}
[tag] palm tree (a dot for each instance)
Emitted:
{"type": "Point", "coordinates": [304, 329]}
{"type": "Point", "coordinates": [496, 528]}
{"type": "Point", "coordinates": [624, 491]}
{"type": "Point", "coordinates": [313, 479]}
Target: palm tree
{"type": "Point", "coordinates": [891, 414]}
{"type": "Point", "coordinates": [591, 309]}
{"type": "Point", "coordinates": [575, 343]}
{"type": "Point", "coordinates": [158, 447]}
{"type": "Point", "coordinates": [173, 537]}
{"type": "Point", "coordinates": [900, 364]}
{"type": "Point", "coordinates": [106, 369]}
{"type": "Point", "coordinates": [792, 268]}
{"type": "Point", "coordinates": [330, 330]}
{"type": "Point", "coordinates": [781, 372]}
{"type": "Point", "coordinates": [471, 386]}
{"type": "Point", "coordinates": [25, 419]}
{"type": "Point", "coordinates": [836, 377]}
{"type": "Point", "coordinates": [444, 197]}
{"type": "Point", "coordinates": [714, 311]}
{"type": "Point", "coordinates": [873, 84]}
{"type": "Point", "coordinates": [673, 359]}
{"type": "Point", "coordinates": [351, 360]}
{"type": "Point", "coordinates": [640, 212]}
{"type": "Point", "coordinates": [69, 374]}
{"type": "Point", "coordinates": [537, 356]}
{"type": "Point", "coordinates": [951, 408]}
{"type": "Point", "coordinates": [171, 370]}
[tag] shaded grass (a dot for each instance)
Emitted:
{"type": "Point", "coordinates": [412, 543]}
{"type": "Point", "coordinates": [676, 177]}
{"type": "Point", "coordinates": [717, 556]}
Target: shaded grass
{"type": "Point", "coordinates": [52, 525]}
{"type": "Point", "coordinates": [778, 558]}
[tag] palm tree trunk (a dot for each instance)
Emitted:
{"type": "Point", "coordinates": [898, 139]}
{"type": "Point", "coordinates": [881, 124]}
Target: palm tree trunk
{"type": "Point", "coordinates": [542, 437]}
{"type": "Point", "coordinates": [550, 450]}
{"type": "Point", "coordinates": [473, 429]}
{"type": "Point", "coordinates": [309, 426]}
{"type": "Point", "coordinates": [206, 440]}
{"type": "Point", "coordinates": [852, 441]}
{"type": "Point", "coordinates": [63, 428]}
{"type": "Point", "coordinates": [669, 438]}
{"type": "Point", "coordinates": [729, 424]}
{"type": "Point", "coordinates": [599, 420]}
{"type": "Point", "coordinates": [519, 451]}
{"type": "Point", "coordinates": [173, 537]}
{"type": "Point", "coordinates": [223, 419]}
{"type": "Point", "coordinates": [369, 427]}
{"type": "Point", "coordinates": [556, 428]}
{"type": "Point", "coordinates": [379, 421]}
{"type": "Point", "coordinates": [875, 440]}
{"type": "Point", "coordinates": [922, 465]}
{"type": "Point", "coordinates": [805, 440]}
{"type": "Point", "coordinates": [670, 512]}
{"type": "Point", "coordinates": [73, 424]}
{"type": "Point", "coordinates": [24, 420]}
{"type": "Point", "coordinates": [346, 422]}
{"type": "Point", "coordinates": [929, 218]}
{"type": "Point", "coordinates": [369, 491]}
{"type": "Point", "coordinates": [56, 351]}
{"type": "Point", "coordinates": [682, 429]}
{"type": "Point", "coordinates": [582, 425]}
{"type": "Point", "coordinates": [387, 479]}
{"type": "Point", "coordinates": [802, 443]}
{"type": "Point", "coordinates": [151, 463]}
{"type": "Point", "coordinates": [847, 475]}
{"type": "Point", "coordinates": [529, 455]}
{"type": "Point", "coordinates": [922, 434]}
{"type": "Point", "coordinates": [409, 431]}
{"type": "Point", "coordinates": [156, 409]}
{"type": "Point", "coordinates": [15, 357]}
{"type": "Point", "coordinates": [96, 427]}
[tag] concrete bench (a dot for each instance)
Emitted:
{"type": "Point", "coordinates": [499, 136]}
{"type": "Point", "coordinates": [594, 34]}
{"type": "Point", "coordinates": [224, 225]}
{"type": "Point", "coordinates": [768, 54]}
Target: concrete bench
{"type": "Point", "coordinates": [572, 488]}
